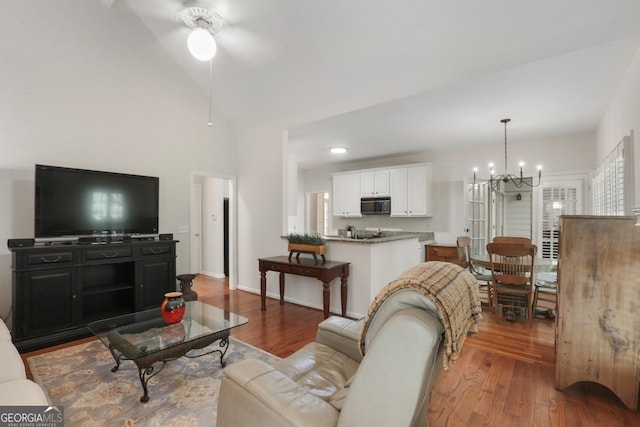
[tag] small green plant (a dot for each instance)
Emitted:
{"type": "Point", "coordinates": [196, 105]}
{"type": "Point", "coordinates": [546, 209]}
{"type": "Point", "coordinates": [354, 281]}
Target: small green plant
{"type": "Point", "coordinates": [306, 239]}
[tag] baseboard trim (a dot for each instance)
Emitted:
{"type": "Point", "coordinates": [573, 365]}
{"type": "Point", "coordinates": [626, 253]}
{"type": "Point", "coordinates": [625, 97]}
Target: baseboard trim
{"type": "Point", "coordinates": [214, 275]}
{"type": "Point", "coordinates": [319, 307]}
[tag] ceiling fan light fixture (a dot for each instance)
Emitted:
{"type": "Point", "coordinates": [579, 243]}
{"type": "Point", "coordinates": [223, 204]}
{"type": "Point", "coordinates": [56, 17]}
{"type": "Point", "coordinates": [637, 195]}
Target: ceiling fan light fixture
{"type": "Point", "coordinates": [201, 44]}
{"type": "Point", "coordinates": [204, 24]}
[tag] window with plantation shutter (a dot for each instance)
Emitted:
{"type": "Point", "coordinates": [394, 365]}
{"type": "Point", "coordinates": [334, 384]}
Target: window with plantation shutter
{"type": "Point", "coordinates": [610, 180]}
{"type": "Point", "coordinates": [556, 201]}
{"type": "Point", "coordinates": [562, 194]}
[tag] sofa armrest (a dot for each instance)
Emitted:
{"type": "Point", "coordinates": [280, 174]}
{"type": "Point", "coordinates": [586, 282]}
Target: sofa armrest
{"type": "Point", "coordinates": [342, 335]}
{"type": "Point", "coordinates": [394, 379]}
{"type": "Point", "coordinates": [253, 393]}
{"type": "Point", "coordinates": [22, 392]}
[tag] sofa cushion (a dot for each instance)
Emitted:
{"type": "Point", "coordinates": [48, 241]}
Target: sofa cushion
{"type": "Point", "coordinates": [11, 362]}
{"type": "Point", "coordinates": [21, 393]}
{"type": "Point", "coordinates": [341, 334]}
{"type": "Point", "coordinates": [320, 370]}
{"type": "Point", "coordinates": [253, 393]}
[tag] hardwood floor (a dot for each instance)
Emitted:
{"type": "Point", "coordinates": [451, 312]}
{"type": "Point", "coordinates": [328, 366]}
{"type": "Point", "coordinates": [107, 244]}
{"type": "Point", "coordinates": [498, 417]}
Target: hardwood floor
{"type": "Point", "coordinates": [505, 376]}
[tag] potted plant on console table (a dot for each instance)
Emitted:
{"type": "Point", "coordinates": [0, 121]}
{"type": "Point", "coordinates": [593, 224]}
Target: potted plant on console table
{"type": "Point", "coordinates": [307, 243]}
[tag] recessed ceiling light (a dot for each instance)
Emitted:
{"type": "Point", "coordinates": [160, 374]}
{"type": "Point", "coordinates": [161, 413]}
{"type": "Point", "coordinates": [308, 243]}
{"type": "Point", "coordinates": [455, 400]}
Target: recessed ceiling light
{"type": "Point", "coordinates": [338, 150]}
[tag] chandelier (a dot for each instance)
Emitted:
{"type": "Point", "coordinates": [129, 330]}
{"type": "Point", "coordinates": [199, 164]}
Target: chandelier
{"type": "Point", "coordinates": [517, 180]}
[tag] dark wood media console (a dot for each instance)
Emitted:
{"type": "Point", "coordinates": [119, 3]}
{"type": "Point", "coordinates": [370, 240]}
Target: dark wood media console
{"type": "Point", "coordinates": [58, 289]}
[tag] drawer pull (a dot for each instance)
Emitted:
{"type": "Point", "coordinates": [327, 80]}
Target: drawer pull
{"type": "Point", "coordinates": [156, 251]}
{"type": "Point", "coordinates": [50, 260]}
{"type": "Point", "coordinates": [110, 255]}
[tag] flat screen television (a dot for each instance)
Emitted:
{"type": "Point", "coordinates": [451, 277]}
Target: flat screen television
{"type": "Point", "coordinates": [75, 202]}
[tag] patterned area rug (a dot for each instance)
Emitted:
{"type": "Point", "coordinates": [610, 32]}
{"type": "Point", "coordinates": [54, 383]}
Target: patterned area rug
{"type": "Point", "coordinates": [184, 393]}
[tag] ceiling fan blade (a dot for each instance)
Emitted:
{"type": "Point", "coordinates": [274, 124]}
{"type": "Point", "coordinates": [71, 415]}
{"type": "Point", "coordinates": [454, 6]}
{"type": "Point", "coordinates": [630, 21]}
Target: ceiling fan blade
{"type": "Point", "coordinates": [247, 47]}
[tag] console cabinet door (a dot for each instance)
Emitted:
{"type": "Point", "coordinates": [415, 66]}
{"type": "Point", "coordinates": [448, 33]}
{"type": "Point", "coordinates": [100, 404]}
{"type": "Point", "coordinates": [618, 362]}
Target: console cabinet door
{"type": "Point", "coordinates": [46, 301]}
{"type": "Point", "coordinates": [155, 278]}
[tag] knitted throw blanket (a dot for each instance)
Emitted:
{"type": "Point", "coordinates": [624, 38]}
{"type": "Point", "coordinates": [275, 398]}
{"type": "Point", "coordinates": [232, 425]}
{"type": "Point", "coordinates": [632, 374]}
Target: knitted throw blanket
{"type": "Point", "coordinates": [452, 290]}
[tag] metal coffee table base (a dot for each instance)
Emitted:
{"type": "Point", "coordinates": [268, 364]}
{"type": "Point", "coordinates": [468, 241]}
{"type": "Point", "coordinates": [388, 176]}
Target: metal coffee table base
{"type": "Point", "coordinates": [150, 365]}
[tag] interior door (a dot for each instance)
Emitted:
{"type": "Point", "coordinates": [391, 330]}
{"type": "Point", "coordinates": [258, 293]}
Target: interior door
{"type": "Point", "coordinates": [196, 229]}
{"type": "Point", "coordinates": [478, 217]}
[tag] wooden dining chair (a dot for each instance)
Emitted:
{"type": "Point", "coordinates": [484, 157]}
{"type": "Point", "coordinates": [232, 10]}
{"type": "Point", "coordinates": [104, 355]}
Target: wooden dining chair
{"type": "Point", "coordinates": [512, 268]}
{"type": "Point", "coordinates": [483, 280]}
{"type": "Point", "coordinates": [547, 293]}
{"type": "Point", "coordinates": [511, 239]}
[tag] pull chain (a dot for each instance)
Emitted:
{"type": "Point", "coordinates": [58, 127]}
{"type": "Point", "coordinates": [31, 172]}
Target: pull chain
{"type": "Point", "coordinates": [210, 90]}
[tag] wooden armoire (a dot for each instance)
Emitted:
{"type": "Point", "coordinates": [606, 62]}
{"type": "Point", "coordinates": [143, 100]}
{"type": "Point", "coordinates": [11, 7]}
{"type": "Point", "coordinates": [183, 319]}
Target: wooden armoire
{"type": "Point", "coordinates": [598, 321]}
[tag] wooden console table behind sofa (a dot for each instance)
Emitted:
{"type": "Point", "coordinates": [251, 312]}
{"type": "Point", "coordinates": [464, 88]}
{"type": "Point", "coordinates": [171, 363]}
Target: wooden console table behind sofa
{"type": "Point", "coordinates": [325, 272]}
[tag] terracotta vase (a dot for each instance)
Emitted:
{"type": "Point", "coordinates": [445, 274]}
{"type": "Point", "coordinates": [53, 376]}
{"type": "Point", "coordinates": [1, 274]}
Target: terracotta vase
{"type": "Point", "coordinates": [172, 307]}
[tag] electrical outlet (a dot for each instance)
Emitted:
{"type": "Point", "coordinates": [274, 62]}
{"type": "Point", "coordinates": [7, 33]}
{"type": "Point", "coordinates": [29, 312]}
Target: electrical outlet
{"type": "Point", "coordinates": [183, 229]}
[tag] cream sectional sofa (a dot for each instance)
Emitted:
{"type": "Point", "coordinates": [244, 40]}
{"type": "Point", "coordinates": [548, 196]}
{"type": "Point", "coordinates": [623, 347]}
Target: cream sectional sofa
{"type": "Point", "coordinates": [15, 388]}
{"type": "Point", "coordinates": [375, 372]}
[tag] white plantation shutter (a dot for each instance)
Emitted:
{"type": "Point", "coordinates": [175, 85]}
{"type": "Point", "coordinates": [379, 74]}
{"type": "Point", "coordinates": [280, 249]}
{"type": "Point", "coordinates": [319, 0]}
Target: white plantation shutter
{"type": "Point", "coordinates": [556, 201]}
{"type": "Point", "coordinates": [610, 181]}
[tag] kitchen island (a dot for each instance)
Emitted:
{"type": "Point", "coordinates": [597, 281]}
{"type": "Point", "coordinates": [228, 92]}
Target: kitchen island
{"type": "Point", "coordinates": [374, 262]}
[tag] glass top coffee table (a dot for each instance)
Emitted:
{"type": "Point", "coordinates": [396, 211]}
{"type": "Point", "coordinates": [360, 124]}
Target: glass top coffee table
{"type": "Point", "coordinates": [145, 339]}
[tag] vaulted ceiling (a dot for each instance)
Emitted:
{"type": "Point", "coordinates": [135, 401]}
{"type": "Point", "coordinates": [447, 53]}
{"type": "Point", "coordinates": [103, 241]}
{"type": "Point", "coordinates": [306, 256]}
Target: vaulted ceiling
{"type": "Point", "coordinates": [386, 78]}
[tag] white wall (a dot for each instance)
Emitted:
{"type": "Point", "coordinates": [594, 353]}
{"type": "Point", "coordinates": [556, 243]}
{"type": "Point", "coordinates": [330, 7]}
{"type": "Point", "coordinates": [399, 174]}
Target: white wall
{"type": "Point", "coordinates": [262, 212]}
{"type": "Point", "coordinates": [83, 90]}
{"type": "Point", "coordinates": [623, 116]}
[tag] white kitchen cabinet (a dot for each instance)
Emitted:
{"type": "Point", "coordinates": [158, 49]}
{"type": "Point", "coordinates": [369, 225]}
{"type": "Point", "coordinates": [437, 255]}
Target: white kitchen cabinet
{"type": "Point", "coordinates": [374, 183]}
{"type": "Point", "coordinates": [346, 195]}
{"type": "Point", "coordinates": [410, 191]}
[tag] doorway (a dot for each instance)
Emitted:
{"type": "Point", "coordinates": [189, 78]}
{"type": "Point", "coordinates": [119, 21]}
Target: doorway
{"type": "Point", "coordinates": [213, 221]}
{"type": "Point", "coordinates": [317, 213]}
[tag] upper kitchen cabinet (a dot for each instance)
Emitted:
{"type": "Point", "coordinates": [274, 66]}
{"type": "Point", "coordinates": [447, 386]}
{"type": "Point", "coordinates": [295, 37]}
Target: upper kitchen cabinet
{"type": "Point", "coordinates": [346, 195]}
{"type": "Point", "coordinates": [410, 191]}
{"type": "Point", "coordinates": [375, 183]}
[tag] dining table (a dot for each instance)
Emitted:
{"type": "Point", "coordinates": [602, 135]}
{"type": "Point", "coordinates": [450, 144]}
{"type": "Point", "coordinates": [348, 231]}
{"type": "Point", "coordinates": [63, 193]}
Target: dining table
{"type": "Point", "coordinates": [540, 265]}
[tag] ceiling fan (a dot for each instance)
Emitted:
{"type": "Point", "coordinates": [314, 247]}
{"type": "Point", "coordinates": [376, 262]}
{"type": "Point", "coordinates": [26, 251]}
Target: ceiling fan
{"type": "Point", "coordinates": [248, 32]}
{"type": "Point", "coordinates": [237, 28]}
{"type": "Point", "coordinates": [204, 24]}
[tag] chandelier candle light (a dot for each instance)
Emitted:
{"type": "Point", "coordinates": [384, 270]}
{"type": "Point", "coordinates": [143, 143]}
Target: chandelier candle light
{"type": "Point", "coordinates": [518, 181]}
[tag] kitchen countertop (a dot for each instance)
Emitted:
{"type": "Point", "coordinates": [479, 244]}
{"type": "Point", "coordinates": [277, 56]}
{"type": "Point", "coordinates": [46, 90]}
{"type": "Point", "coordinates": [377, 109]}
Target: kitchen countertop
{"type": "Point", "coordinates": [365, 237]}
{"type": "Point", "coordinates": [368, 239]}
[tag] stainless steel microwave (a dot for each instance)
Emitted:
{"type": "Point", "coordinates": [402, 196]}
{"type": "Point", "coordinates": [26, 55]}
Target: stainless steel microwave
{"type": "Point", "coordinates": [375, 205]}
